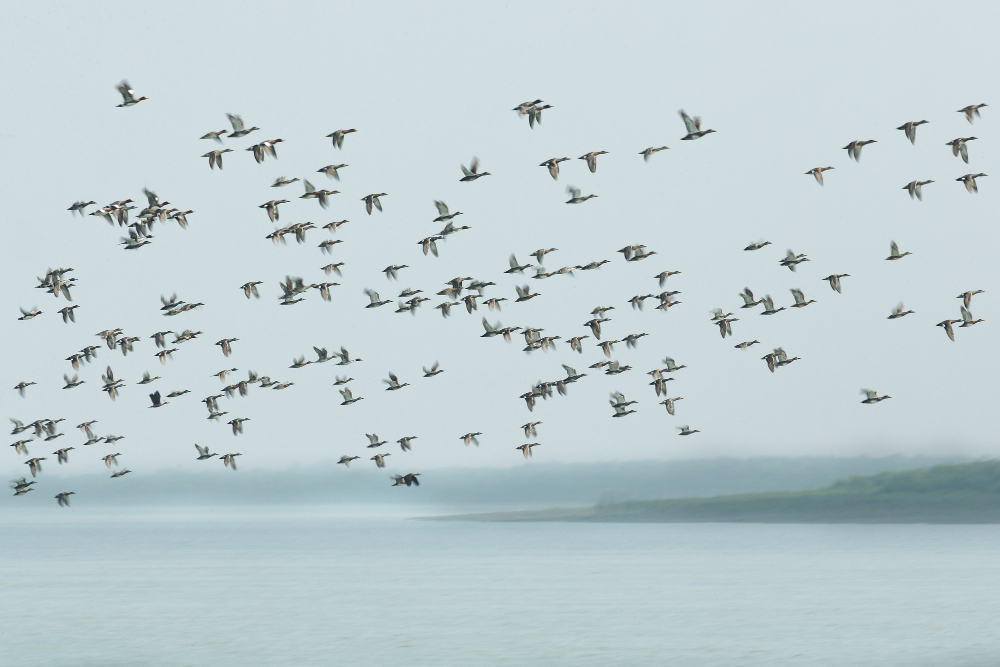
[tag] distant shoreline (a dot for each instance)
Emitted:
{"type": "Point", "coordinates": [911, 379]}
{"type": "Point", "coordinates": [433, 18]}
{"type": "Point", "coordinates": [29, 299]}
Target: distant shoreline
{"type": "Point", "coordinates": [947, 494]}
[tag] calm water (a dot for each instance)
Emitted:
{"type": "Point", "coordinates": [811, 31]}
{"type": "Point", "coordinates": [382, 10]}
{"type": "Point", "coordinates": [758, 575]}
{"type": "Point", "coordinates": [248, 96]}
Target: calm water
{"type": "Point", "coordinates": [307, 586]}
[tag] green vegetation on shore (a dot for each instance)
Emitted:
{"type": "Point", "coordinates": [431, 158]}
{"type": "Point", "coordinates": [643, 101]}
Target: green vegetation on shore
{"type": "Point", "coordinates": [965, 493]}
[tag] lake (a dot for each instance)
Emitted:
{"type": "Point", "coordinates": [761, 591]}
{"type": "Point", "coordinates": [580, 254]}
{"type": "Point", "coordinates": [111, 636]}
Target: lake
{"type": "Point", "coordinates": [367, 586]}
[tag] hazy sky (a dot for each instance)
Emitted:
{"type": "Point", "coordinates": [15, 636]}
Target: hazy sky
{"type": "Point", "coordinates": [785, 85]}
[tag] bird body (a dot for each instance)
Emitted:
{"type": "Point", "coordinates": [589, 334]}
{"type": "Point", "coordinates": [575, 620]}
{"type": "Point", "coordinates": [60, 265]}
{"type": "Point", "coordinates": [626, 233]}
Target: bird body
{"type": "Point", "coordinates": [693, 127]}
{"type": "Point", "coordinates": [910, 129]}
{"type": "Point", "coordinates": [854, 148]}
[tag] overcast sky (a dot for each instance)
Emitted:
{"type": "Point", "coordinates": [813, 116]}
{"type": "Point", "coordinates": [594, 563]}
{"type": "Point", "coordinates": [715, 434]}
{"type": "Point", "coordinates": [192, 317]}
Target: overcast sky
{"type": "Point", "coordinates": [785, 85]}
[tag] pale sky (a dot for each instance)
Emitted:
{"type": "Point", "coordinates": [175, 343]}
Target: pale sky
{"type": "Point", "coordinates": [785, 85]}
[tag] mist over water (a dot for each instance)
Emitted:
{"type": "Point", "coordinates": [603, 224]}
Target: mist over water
{"type": "Point", "coordinates": [532, 483]}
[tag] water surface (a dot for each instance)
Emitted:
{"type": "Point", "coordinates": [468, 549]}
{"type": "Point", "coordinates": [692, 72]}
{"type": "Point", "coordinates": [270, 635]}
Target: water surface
{"type": "Point", "coordinates": [321, 586]}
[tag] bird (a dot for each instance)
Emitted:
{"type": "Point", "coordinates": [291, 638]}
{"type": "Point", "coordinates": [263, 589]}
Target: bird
{"type": "Point", "coordinates": [391, 271]}
{"type": "Point", "coordinates": [915, 189]}
{"type": "Point", "coordinates": [215, 136]}
{"type": "Point", "coordinates": [394, 383]}
{"type": "Point", "coordinates": [62, 455]}
{"type": "Point", "coordinates": [946, 325]}
{"type": "Point", "coordinates": [226, 345]}
{"type": "Point", "coordinates": [959, 147]}
{"type": "Point", "coordinates": [663, 275]}
{"type": "Point", "coordinates": [129, 99]}
{"type": "Point", "coordinates": [834, 280]}
{"type": "Point", "coordinates": [434, 370]}
{"type": "Point", "coordinates": [769, 308]}
{"type": "Point", "coordinates": [346, 460]}
{"type": "Point", "coordinates": [527, 447]}
{"type": "Point", "coordinates": [35, 465]}
{"type": "Point", "coordinates": [404, 442]}
{"type": "Point", "coordinates": [21, 386]}
{"type": "Point", "coordinates": [966, 297]}
{"type": "Point", "coordinates": [373, 440]}
{"type": "Point", "coordinates": [894, 252]}
{"type": "Point", "coordinates": [967, 320]}
{"type": "Point", "coordinates": [63, 498]}
{"type": "Point", "coordinates": [899, 311]}
{"type": "Point", "coordinates": [345, 357]}
{"type": "Point", "coordinates": [250, 289]}
{"type": "Point", "coordinates": [693, 127]}
{"type": "Point", "coordinates": [669, 404]}
{"type": "Point", "coordinates": [373, 200]}
{"type": "Point", "coordinates": [215, 157]}
{"type": "Point", "coordinates": [800, 299]}
{"type": "Point", "coordinates": [523, 107]}
{"type": "Point", "coordinates": [591, 159]}
{"type": "Point", "coordinates": [111, 459]}
{"type": "Point", "coordinates": [576, 196]}
{"type": "Point", "coordinates": [429, 244]}
{"type": "Point", "coordinates": [473, 173]}
{"type": "Point", "coordinates": [338, 137]}
{"type": "Point", "coordinates": [817, 172]}
{"type": "Point", "coordinates": [331, 170]}
{"type": "Point", "coordinates": [530, 429]}
{"type": "Point", "coordinates": [970, 181]}
{"type": "Point", "coordinates": [854, 148]}
{"type": "Point", "coordinates": [229, 460]}
{"type": "Point", "coordinates": [375, 299]}
{"type": "Point", "coordinates": [791, 260]}
{"type": "Point", "coordinates": [910, 128]}
{"type": "Point", "coordinates": [239, 128]}
{"type": "Point", "coordinates": [872, 396]}
{"type": "Point", "coordinates": [443, 213]}
{"type": "Point", "coordinates": [726, 326]}
{"type": "Point", "coordinates": [322, 196]}
{"type": "Point", "coordinates": [204, 453]}
{"type": "Point", "coordinates": [781, 358]}
{"type": "Point", "coordinates": [971, 111]}
{"type": "Point", "coordinates": [553, 166]}
{"type": "Point", "coordinates": [155, 398]}
{"type": "Point", "coordinates": [686, 430]}
{"type": "Point", "coordinates": [515, 266]}
{"type": "Point", "coordinates": [79, 206]}
{"type": "Point", "coordinates": [237, 424]}
{"type": "Point", "coordinates": [470, 438]}
{"type": "Point", "coordinates": [349, 396]}
{"type": "Point", "coordinates": [647, 152]}
{"type": "Point", "coordinates": [524, 293]}
{"type": "Point", "coordinates": [272, 208]}
{"type": "Point", "coordinates": [671, 365]}
{"type": "Point", "coordinates": [748, 299]}
{"type": "Point", "coordinates": [28, 314]}
{"type": "Point", "coordinates": [379, 459]}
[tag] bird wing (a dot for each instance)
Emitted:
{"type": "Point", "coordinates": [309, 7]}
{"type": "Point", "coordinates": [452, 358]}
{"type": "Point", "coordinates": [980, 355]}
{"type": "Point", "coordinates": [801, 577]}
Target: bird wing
{"type": "Point", "coordinates": [126, 91]}
{"type": "Point", "coordinates": [689, 124]}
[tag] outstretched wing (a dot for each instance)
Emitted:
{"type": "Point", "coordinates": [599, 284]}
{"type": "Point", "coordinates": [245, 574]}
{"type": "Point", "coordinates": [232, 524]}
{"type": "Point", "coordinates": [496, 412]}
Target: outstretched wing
{"type": "Point", "coordinates": [236, 121]}
{"type": "Point", "coordinates": [128, 95]}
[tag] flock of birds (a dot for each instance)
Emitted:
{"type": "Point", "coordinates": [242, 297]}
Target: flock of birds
{"type": "Point", "coordinates": [460, 292]}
